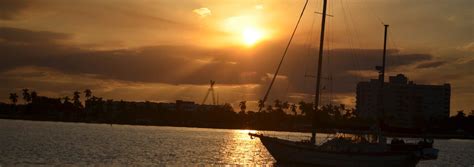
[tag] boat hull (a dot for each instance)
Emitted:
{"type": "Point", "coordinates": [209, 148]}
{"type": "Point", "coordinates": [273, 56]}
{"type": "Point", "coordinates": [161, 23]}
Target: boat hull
{"type": "Point", "coordinates": [287, 152]}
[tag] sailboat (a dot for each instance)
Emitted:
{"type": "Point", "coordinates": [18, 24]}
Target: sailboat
{"type": "Point", "coordinates": [344, 151]}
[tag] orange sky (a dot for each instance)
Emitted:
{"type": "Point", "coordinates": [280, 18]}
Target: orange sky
{"type": "Point", "coordinates": [162, 50]}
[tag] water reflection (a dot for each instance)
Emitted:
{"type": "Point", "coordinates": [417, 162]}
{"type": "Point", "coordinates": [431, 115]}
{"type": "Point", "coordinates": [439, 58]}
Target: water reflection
{"type": "Point", "coordinates": [246, 131]}
{"type": "Point", "coordinates": [242, 150]}
{"type": "Point", "coordinates": [27, 143]}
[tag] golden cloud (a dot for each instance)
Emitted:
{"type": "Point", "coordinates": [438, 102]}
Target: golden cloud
{"type": "Point", "coordinates": [203, 12]}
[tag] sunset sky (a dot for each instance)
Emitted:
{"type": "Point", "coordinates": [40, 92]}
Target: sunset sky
{"type": "Point", "coordinates": [163, 50]}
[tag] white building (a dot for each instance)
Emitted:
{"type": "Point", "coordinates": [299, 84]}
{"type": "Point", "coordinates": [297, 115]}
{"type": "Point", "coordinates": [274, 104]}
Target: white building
{"type": "Point", "coordinates": [403, 103]}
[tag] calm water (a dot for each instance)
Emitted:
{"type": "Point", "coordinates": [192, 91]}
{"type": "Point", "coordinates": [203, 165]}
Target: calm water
{"type": "Point", "coordinates": [51, 143]}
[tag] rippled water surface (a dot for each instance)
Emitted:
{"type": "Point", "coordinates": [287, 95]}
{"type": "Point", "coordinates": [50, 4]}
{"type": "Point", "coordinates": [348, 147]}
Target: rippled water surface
{"type": "Point", "coordinates": [52, 143]}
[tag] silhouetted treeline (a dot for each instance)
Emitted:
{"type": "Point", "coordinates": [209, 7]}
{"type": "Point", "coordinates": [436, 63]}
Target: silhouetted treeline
{"type": "Point", "coordinates": [277, 116]}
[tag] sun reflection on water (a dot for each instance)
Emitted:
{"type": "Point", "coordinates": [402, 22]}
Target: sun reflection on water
{"type": "Point", "coordinates": [246, 131]}
{"type": "Point", "coordinates": [243, 150]}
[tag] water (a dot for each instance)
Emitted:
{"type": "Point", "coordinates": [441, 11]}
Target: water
{"type": "Point", "coordinates": [53, 143]}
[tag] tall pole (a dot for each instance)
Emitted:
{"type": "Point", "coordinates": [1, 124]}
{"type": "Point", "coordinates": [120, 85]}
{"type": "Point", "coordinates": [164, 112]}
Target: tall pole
{"type": "Point", "coordinates": [384, 53]}
{"type": "Point", "coordinates": [318, 77]}
{"type": "Point", "coordinates": [380, 103]}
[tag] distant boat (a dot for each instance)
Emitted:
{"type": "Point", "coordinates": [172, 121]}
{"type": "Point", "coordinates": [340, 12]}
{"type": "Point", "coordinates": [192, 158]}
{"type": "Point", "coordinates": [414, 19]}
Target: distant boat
{"type": "Point", "coordinates": [345, 151]}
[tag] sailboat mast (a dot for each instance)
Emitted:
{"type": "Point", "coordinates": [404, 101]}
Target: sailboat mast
{"type": "Point", "coordinates": [380, 103]}
{"type": "Point", "coordinates": [384, 53]}
{"type": "Point", "coordinates": [317, 92]}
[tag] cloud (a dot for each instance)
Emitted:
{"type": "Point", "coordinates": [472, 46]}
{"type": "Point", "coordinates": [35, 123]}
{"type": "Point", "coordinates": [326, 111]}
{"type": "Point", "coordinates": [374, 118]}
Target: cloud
{"type": "Point", "coordinates": [21, 47]}
{"type": "Point", "coordinates": [459, 73]}
{"type": "Point", "coordinates": [432, 64]}
{"type": "Point", "coordinates": [468, 47]}
{"type": "Point", "coordinates": [9, 10]}
{"type": "Point", "coordinates": [53, 83]}
{"type": "Point", "coordinates": [203, 12]}
{"type": "Point", "coordinates": [128, 23]}
{"type": "Point", "coordinates": [183, 64]}
{"type": "Point", "coordinates": [23, 36]}
{"type": "Point", "coordinates": [364, 73]}
{"type": "Point", "coordinates": [43, 60]}
{"type": "Point", "coordinates": [270, 76]}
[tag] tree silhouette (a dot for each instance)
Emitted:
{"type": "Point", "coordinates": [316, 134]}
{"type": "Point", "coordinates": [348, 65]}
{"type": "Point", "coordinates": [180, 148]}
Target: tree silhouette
{"type": "Point", "coordinates": [26, 95]}
{"type": "Point", "coordinates": [260, 105]}
{"type": "Point", "coordinates": [285, 105]}
{"type": "Point", "coordinates": [66, 100]}
{"type": "Point", "coordinates": [349, 114]}
{"type": "Point", "coordinates": [221, 116]}
{"type": "Point", "coordinates": [13, 98]}
{"type": "Point", "coordinates": [460, 114]}
{"type": "Point", "coordinates": [278, 105]}
{"type": "Point", "coordinates": [301, 107]}
{"type": "Point", "coordinates": [33, 95]}
{"type": "Point", "coordinates": [305, 108]}
{"type": "Point", "coordinates": [269, 108]}
{"type": "Point", "coordinates": [88, 93]}
{"type": "Point", "coordinates": [293, 109]}
{"type": "Point", "coordinates": [76, 96]}
{"type": "Point", "coordinates": [243, 106]}
{"type": "Point", "coordinates": [332, 111]}
{"type": "Point", "coordinates": [76, 99]}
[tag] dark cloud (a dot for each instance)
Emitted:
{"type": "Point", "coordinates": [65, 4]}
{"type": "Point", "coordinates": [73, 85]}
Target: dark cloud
{"type": "Point", "coordinates": [346, 67]}
{"type": "Point", "coordinates": [430, 64]}
{"type": "Point", "coordinates": [191, 65]}
{"type": "Point", "coordinates": [9, 9]}
{"type": "Point", "coordinates": [20, 47]}
{"type": "Point", "coordinates": [456, 71]}
{"type": "Point", "coordinates": [195, 65]}
{"type": "Point", "coordinates": [17, 35]}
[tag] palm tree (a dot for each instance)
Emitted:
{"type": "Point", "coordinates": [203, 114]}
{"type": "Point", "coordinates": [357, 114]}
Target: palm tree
{"type": "Point", "coordinates": [339, 111]}
{"type": "Point", "coordinates": [26, 95]}
{"type": "Point", "coordinates": [88, 93]}
{"type": "Point", "coordinates": [293, 108]}
{"type": "Point", "coordinates": [94, 99]}
{"type": "Point", "coordinates": [306, 108]}
{"type": "Point", "coordinates": [14, 98]}
{"type": "Point", "coordinates": [76, 96]}
{"type": "Point", "coordinates": [76, 99]}
{"type": "Point", "coordinates": [269, 108]}
{"type": "Point", "coordinates": [243, 106]}
{"type": "Point", "coordinates": [302, 106]}
{"type": "Point", "coordinates": [285, 105]}
{"type": "Point", "coordinates": [66, 99]}
{"type": "Point", "coordinates": [260, 105]}
{"type": "Point", "coordinates": [278, 105]}
{"type": "Point", "coordinates": [33, 95]}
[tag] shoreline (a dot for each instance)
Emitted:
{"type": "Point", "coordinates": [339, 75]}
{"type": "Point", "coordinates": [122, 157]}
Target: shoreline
{"type": "Point", "coordinates": [326, 131]}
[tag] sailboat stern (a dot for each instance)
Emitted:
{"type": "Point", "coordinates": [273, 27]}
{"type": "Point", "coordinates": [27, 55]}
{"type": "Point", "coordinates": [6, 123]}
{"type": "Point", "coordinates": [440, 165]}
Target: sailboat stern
{"type": "Point", "coordinates": [428, 154]}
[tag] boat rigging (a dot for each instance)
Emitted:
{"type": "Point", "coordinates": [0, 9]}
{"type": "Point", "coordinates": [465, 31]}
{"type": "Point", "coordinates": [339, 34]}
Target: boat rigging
{"type": "Point", "coordinates": [343, 151]}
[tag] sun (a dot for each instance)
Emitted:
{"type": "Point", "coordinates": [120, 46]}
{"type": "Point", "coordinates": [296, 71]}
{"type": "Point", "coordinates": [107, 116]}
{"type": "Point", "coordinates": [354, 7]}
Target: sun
{"type": "Point", "coordinates": [251, 36]}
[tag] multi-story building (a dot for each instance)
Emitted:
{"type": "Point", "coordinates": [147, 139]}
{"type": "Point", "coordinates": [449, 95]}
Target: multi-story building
{"type": "Point", "coordinates": [403, 103]}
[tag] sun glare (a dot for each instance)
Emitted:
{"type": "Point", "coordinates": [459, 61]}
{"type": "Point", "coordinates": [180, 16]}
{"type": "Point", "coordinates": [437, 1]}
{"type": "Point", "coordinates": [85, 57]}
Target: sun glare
{"type": "Point", "coordinates": [251, 36]}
